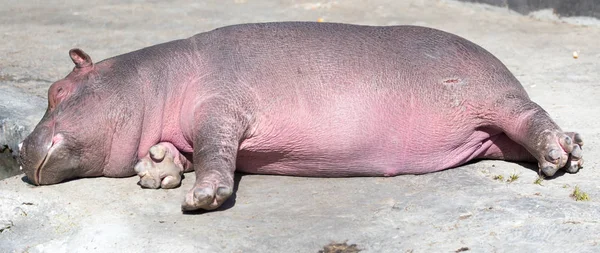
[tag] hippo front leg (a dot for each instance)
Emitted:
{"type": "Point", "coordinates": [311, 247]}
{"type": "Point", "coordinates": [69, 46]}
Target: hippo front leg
{"type": "Point", "coordinates": [162, 167]}
{"type": "Point", "coordinates": [218, 134]}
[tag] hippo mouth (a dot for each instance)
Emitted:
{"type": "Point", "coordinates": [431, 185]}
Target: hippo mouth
{"type": "Point", "coordinates": [37, 173]}
{"type": "Point", "coordinates": [49, 151]}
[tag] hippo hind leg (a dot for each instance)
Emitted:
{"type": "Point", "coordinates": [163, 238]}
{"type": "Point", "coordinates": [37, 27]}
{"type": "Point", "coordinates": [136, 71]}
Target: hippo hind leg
{"type": "Point", "coordinates": [500, 147]}
{"type": "Point", "coordinates": [528, 125]}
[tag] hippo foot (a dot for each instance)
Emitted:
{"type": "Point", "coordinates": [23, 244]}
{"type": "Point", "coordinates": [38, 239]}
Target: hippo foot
{"type": "Point", "coordinates": [159, 169]}
{"type": "Point", "coordinates": [562, 151]}
{"type": "Point", "coordinates": [211, 190]}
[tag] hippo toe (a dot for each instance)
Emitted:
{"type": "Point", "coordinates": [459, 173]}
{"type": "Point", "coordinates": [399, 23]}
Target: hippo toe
{"type": "Point", "coordinates": [210, 191]}
{"type": "Point", "coordinates": [563, 150]}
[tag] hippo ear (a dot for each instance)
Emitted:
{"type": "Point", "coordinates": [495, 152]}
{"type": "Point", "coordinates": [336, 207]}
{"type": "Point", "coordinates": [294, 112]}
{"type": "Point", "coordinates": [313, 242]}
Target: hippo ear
{"type": "Point", "coordinates": [80, 58]}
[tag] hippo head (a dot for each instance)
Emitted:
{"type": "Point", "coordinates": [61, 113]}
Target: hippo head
{"type": "Point", "coordinates": [75, 137]}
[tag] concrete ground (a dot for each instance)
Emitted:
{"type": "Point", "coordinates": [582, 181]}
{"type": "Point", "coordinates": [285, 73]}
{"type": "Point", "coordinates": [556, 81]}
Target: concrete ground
{"type": "Point", "coordinates": [462, 209]}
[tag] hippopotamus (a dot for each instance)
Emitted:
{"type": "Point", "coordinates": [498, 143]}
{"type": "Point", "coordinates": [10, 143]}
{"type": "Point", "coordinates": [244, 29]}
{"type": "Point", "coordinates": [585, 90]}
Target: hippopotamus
{"type": "Point", "coordinates": [290, 98]}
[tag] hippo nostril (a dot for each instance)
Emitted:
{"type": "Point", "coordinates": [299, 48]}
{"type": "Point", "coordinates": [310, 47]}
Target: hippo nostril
{"type": "Point", "coordinates": [56, 140]}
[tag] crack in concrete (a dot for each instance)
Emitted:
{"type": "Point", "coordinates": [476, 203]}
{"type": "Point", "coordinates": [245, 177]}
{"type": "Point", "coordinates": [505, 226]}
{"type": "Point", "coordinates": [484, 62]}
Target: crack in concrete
{"type": "Point", "coordinates": [11, 78]}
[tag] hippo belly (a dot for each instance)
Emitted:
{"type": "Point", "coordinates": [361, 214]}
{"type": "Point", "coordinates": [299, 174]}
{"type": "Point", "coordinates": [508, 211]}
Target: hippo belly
{"type": "Point", "coordinates": [373, 134]}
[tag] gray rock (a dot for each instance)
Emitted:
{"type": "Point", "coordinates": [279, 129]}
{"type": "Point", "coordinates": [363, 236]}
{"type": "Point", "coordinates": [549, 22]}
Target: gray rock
{"type": "Point", "coordinates": [19, 113]}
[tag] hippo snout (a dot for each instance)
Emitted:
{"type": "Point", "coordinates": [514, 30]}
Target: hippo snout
{"type": "Point", "coordinates": [44, 157]}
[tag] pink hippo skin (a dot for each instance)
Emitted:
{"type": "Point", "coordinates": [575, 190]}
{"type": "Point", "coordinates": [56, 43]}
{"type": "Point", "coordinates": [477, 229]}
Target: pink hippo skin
{"type": "Point", "coordinates": [302, 99]}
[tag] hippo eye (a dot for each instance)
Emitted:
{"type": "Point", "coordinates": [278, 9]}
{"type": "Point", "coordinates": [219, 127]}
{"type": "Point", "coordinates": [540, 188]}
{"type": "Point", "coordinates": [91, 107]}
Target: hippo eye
{"type": "Point", "coordinates": [60, 93]}
{"type": "Point", "coordinates": [58, 96]}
